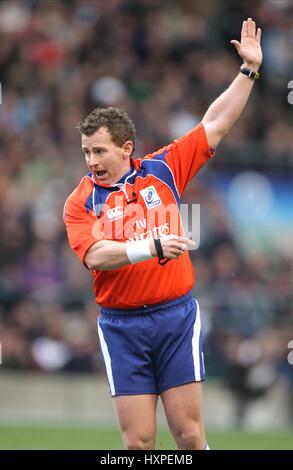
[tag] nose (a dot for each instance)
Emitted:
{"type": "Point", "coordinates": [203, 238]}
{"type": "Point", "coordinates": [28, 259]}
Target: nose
{"type": "Point", "coordinates": [93, 160]}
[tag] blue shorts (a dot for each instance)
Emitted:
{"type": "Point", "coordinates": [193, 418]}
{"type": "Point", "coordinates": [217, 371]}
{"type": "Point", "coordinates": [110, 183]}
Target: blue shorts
{"type": "Point", "coordinates": [153, 348]}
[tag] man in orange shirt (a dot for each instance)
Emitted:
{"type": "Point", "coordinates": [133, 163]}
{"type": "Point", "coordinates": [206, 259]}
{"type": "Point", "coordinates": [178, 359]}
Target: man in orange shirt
{"type": "Point", "coordinates": [123, 222]}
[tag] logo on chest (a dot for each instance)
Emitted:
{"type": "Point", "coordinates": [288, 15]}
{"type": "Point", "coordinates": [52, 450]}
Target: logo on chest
{"type": "Point", "coordinates": [115, 213]}
{"type": "Point", "coordinates": [151, 197]}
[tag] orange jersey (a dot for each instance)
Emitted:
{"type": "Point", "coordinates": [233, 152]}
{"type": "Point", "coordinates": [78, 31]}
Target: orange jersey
{"type": "Point", "coordinates": [143, 204]}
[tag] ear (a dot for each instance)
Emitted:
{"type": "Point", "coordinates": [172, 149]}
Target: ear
{"type": "Point", "coordinates": [127, 148]}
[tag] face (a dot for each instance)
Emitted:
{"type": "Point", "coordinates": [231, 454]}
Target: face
{"type": "Point", "coordinates": [107, 161]}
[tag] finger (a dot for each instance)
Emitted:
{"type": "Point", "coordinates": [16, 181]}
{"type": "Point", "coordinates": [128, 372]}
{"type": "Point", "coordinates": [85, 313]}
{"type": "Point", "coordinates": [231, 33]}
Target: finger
{"type": "Point", "coordinates": [168, 237]}
{"type": "Point", "coordinates": [244, 30]}
{"type": "Point", "coordinates": [175, 246]}
{"type": "Point", "coordinates": [258, 34]}
{"type": "Point", "coordinates": [236, 44]}
{"type": "Point", "coordinates": [182, 247]}
{"type": "Point", "coordinates": [189, 242]}
{"type": "Point", "coordinates": [175, 238]}
{"type": "Point", "coordinates": [251, 28]}
{"type": "Point", "coordinates": [186, 240]}
{"type": "Point", "coordinates": [174, 253]}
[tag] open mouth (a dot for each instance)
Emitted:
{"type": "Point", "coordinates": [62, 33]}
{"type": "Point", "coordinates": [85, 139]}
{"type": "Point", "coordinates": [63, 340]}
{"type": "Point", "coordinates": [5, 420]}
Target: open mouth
{"type": "Point", "coordinates": [101, 173]}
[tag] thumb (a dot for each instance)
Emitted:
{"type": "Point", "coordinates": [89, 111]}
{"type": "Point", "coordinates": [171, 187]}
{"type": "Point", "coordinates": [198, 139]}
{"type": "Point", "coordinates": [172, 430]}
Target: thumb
{"type": "Point", "coordinates": [236, 44]}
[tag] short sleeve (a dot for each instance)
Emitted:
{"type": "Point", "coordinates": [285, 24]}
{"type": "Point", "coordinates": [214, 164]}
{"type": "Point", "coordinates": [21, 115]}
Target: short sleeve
{"type": "Point", "coordinates": [82, 226]}
{"type": "Point", "coordinates": [186, 155]}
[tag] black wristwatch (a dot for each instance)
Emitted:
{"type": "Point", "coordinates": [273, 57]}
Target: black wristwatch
{"type": "Point", "coordinates": [249, 73]}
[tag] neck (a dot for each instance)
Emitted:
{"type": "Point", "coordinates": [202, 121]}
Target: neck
{"type": "Point", "coordinates": [123, 171]}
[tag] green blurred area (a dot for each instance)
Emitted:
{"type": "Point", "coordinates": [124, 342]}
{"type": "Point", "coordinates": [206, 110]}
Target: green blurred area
{"type": "Point", "coordinates": [78, 438]}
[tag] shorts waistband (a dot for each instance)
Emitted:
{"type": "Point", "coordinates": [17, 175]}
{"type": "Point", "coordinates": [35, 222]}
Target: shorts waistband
{"type": "Point", "coordinates": [147, 309]}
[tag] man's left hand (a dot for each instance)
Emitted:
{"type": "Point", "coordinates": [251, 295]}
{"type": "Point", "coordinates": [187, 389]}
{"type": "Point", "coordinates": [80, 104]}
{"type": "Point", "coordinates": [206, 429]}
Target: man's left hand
{"type": "Point", "coordinates": [249, 47]}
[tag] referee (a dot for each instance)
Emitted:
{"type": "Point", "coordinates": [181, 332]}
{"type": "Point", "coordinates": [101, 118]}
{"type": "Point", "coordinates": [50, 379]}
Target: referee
{"type": "Point", "coordinates": [123, 222]}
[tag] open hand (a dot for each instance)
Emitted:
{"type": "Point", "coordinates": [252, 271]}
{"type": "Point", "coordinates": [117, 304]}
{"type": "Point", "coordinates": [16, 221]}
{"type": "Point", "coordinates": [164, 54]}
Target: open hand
{"type": "Point", "coordinates": [249, 47]}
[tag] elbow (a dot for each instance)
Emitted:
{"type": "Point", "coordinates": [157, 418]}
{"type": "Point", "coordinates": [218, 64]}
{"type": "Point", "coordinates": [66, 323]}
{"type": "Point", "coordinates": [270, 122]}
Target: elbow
{"type": "Point", "coordinates": [100, 257]}
{"type": "Point", "coordinates": [97, 265]}
{"type": "Point", "coordinates": [94, 259]}
{"type": "Point", "coordinates": [94, 263]}
{"type": "Point", "coordinates": [89, 262]}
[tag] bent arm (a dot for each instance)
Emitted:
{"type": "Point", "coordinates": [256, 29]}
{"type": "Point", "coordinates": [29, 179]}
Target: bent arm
{"type": "Point", "coordinates": [106, 255]}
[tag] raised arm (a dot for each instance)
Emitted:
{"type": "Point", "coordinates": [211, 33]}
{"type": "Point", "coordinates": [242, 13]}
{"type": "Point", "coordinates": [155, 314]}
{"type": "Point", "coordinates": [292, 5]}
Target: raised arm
{"type": "Point", "coordinates": [226, 109]}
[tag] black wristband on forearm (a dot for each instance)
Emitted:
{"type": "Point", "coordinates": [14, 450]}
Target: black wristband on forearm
{"type": "Point", "coordinates": [160, 253]}
{"type": "Point", "coordinates": [159, 248]}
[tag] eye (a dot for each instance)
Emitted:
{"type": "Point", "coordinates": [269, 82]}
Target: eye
{"type": "Point", "coordinates": [99, 151]}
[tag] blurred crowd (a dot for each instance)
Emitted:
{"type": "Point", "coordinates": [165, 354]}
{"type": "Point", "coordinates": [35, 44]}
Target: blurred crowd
{"type": "Point", "coordinates": [163, 62]}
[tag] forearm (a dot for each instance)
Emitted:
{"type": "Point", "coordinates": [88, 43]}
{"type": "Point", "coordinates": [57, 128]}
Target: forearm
{"type": "Point", "coordinates": [107, 255]}
{"type": "Point", "coordinates": [226, 109]}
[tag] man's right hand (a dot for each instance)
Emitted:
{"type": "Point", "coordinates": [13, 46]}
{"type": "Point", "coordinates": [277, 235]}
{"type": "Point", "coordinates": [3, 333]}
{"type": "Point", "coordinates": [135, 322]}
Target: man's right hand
{"type": "Point", "coordinates": [173, 246]}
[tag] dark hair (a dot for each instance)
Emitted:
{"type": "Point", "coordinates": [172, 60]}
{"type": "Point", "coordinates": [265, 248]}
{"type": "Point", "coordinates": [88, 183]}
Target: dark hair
{"type": "Point", "coordinates": [120, 127]}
